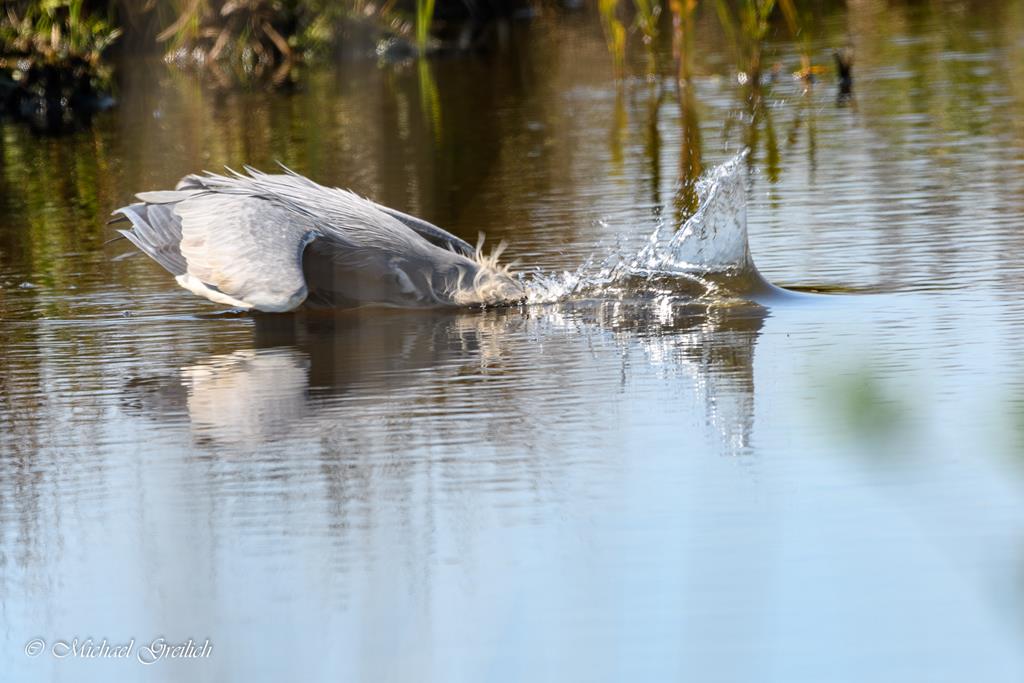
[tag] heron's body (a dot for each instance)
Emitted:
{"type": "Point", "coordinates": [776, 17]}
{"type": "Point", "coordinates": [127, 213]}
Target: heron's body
{"type": "Point", "coordinates": [275, 243]}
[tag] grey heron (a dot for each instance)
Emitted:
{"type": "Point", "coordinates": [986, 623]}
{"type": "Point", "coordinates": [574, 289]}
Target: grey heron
{"type": "Point", "coordinates": [277, 242]}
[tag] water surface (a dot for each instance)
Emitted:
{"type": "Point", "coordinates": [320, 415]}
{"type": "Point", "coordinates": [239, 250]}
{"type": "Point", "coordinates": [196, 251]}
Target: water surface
{"type": "Point", "coordinates": [633, 484]}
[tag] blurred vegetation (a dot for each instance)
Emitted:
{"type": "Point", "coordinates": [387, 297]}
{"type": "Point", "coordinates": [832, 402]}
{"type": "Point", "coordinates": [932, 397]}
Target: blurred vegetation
{"type": "Point", "coordinates": [51, 61]}
{"type": "Point", "coordinates": [868, 408]}
{"type": "Point", "coordinates": [245, 40]}
{"type": "Point", "coordinates": [234, 41]}
{"type": "Point", "coordinates": [234, 38]}
{"type": "Point", "coordinates": [241, 41]}
{"type": "Point", "coordinates": [52, 31]}
{"type": "Point", "coordinates": [56, 55]}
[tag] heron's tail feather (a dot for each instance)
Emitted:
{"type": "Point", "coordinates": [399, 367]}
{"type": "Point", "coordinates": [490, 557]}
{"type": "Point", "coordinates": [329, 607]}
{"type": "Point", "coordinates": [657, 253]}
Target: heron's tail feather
{"type": "Point", "coordinates": [156, 231]}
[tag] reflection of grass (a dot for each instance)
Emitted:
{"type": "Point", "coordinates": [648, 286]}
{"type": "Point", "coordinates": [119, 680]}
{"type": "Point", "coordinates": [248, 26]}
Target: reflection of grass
{"type": "Point", "coordinates": [757, 122]}
{"type": "Point", "coordinates": [619, 121]}
{"type": "Point", "coordinates": [424, 16]}
{"type": "Point", "coordinates": [60, 193]}
{"type": "Point", "coordinates": [430, 99]}
{"type": "Point", "coordinates": [682, 35]}
{"type": "Point", "coordinates": [745, 24]}
{"type": "Point", "coordinates": [614, 32]}
{"type": "Point", "coordinates": [647, 14]}
{"type": "Point", "coordinates": [747, 27]}
{"type": "Point", "coordinates": [691, 164]}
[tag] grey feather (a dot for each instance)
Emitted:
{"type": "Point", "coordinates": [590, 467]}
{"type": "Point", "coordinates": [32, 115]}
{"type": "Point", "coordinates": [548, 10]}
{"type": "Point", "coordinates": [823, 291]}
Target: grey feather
{"type": "Point", "coordinates": [431, 232]}
{"type": "Point", "coordinates": [246, 247]}
{"type": "Point", "coordinates": [269, 242]}
{"type": "Point", "coordinates": [156, 233]}
{"type": "Point", "coordinates": [190, 182]}
{"type": "Point", "coordinates": [162, 196]}
{"type": "Point", "coordinates": [425, 229]}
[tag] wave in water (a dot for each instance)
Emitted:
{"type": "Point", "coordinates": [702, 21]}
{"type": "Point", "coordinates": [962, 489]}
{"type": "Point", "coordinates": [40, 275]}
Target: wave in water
{"type": "Point", "coordinates": [707, 258]}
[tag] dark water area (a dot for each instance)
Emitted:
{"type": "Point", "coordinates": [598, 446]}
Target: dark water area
{"type": "Point", "coordinates": [631, 483]}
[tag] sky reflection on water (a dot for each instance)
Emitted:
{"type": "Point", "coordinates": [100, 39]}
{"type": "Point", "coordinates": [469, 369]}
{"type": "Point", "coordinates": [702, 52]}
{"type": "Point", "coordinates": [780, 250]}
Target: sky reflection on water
{"type": "Point", "coordinates": [635, 488]}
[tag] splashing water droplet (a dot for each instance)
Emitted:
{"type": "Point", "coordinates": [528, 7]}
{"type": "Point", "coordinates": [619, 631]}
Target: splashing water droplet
{"type": "Point", "coordinates": [707, 258]}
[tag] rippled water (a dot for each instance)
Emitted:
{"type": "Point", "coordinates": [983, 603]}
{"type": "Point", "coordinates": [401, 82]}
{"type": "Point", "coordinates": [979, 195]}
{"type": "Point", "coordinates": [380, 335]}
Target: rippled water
{"type": "Point", "coordinates": [636, 480]}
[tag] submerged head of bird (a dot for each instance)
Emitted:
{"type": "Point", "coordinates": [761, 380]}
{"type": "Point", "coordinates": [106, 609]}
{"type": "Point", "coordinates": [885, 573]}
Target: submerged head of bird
{"type": "Point", "coordinates": [487, 283]}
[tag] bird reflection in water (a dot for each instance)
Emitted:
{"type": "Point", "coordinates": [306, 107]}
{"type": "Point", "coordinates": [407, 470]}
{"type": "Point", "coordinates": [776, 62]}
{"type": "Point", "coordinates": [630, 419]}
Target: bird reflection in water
{"type": "Point", "coordinates": [470, 371]}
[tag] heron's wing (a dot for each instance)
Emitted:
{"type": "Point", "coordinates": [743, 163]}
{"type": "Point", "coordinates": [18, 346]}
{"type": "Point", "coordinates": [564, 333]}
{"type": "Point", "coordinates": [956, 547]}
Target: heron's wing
{"type": "Point", "coordinates": [246, 249]}
{"type": "Point", "coordinates": [430, 232]}
{"type": "Point", "coordinates": [156, 231]}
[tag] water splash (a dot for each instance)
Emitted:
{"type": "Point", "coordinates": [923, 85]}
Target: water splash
{"type": "Point", "coordinates": [707, 258]}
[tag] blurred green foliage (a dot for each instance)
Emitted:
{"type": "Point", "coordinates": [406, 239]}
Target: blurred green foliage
{"type": "Point", "coordinates": [51, 61]}
{"type": "Point", "coordinates": [868, 409]}
{"type": "Point", "coordinates": [54, 31]}
{"type": "Point", "coordinates": [242, 40]}
{"type": "Point", "coordinates": [235, 40]}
